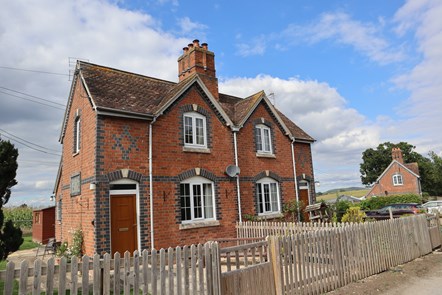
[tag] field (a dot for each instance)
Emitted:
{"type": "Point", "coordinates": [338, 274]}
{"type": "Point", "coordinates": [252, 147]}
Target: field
{"type": "Point", "coordinates": [334, 195]}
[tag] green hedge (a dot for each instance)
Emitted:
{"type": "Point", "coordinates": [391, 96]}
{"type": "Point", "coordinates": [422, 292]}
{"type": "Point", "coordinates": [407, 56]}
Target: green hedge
{"type": "Point", "coordinates": [379, 202]}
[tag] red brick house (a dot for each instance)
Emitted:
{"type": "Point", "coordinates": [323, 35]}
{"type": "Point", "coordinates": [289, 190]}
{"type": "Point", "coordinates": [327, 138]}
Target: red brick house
{"type": "Point", "coordinates": [144, 160]}
{"type": "Point", "coordinates": [397, 178]}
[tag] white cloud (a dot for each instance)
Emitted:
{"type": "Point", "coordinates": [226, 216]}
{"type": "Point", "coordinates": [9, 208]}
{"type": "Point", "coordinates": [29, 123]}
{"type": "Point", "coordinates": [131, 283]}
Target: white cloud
{"type": "Point", "coordinates": [424, 80]}
{"type": "Point", "coordinates": [189, 27]}
{"type": "Point", "coordinates": [342, 133]}
{"type": "Point", "coordinates": [339, 27]}
{"type": "Point", "coordinates": [256, 47]}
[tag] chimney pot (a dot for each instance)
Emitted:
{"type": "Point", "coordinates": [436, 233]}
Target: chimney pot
{"type": "Point", "coordinates": [196, 43]}
{"type": "Point", "coordinates": [190, 45]}
{"type": "Point", "coordinates": [205, 46]}
{"type": "Point", "coordinates": [185, 49]}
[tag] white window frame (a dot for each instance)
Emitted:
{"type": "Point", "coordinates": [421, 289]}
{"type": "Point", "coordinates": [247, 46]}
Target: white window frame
{"type": "Point", "coordinates": [261, 130]}
{"type": "Point", "coordinates": [194, 116]}
{"type": "Point", "coordinates": [398, 179]}
{"type": "Point", "coordinates": [263, 183]}
{"type": "Point", "coordinates": [77, 131]}
{"type": "Point", "coordinates": [198, 181]}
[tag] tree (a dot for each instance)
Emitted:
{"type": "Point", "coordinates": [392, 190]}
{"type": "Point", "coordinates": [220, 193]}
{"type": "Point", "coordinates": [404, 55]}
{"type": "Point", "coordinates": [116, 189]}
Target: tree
{"type": "Point", "coordinates": [375, 161]}
{"type": "Point", "coordinates": [10, 236]}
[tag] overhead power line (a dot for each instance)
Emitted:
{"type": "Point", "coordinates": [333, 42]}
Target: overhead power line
{"type": "Point", "coordinates": [28, 143]}
{"type": "Point", "coordinates": [33, 96]}
{"type": "Point", "coordinates": [33, 71]}
{"type": "Point", "coordinates": [34, 101]}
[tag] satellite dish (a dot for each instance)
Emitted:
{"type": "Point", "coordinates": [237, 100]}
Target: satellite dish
{"type": "Point", "coordinates": [232, 170]}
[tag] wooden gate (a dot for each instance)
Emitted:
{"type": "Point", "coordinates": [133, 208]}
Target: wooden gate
{"type": "Point", "coordinates": [434, 230]}
{"type": "Point", "coordinates": [246, 269]}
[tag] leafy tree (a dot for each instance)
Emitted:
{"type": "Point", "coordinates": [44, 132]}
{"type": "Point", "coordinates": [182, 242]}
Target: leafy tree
{"type": "Point", "coordinates": [10, 236]}
{"type": "Point", "coordinates": [435, 174]}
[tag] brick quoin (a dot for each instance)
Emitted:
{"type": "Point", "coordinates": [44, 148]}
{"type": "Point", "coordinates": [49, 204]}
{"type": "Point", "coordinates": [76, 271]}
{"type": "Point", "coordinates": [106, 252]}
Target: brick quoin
{"type": "Point", "coordinates": [115, 147]}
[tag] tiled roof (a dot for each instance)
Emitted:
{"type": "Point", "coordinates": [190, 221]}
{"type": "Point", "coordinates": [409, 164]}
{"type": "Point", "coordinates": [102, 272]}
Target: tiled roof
{"type": "Point", "coordinates": [124, 91]}
{"type": "Point", "coordinates": [413, 167]}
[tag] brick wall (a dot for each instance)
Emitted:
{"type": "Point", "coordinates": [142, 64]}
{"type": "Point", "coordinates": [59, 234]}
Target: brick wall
{"type": "Point", "coordinates": [78, 211]}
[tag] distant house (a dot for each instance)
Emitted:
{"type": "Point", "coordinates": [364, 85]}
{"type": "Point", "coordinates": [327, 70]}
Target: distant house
{"type": "Point", "coordinates": [397, 178]}
{"type": "Point", "coordinates": [43, 224]}
{"type": "Point", "coordinates": [152, 163]}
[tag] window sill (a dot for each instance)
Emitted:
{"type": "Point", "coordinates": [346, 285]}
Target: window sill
{"type": "Point", "coordinates": [188, 149]}
{"type": "Point", "coordinates": [199, 224]}
{"type": "Point", "coordinates": [264, 155]}
{"type": "Point", "coordinates": [270, 216]}
{"type": "Point", "coordinates": [75, 154]}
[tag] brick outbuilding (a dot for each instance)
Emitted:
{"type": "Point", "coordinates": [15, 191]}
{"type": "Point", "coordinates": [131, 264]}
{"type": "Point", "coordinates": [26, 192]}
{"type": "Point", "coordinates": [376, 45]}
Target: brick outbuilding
{"type": "Point", "coordinates": [153, 163]}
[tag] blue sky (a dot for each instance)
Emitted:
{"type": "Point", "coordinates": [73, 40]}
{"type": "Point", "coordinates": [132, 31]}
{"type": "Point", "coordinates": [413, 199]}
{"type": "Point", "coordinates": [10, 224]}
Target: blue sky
{"type": "Point", "coordinates": [352, 74]}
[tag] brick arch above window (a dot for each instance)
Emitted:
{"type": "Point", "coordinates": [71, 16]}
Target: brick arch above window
{"type": "Point", "coordinates": [124, 174]}
{"type": "Point", "coordinates": [197, 172]}
{"type": "Point", "coordinates": [267, 173]}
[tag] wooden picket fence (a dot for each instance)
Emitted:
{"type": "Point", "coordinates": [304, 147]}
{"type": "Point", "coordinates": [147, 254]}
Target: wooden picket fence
{"type": "Point", "coordinates": [303, 260]}
{"type": "Point", "coordinates": [316, 262]}
{"type": "Point", "coordinates": [181, 270]}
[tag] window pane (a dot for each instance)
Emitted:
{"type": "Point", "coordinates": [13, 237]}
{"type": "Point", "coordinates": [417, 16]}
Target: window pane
{"type": "Point", "coordinates": [199, 128]}
{"type": "Point", "coordinates": [185, 201]}
{"type": "Point", "coordinates": [197, 201]}
{"type": "Point", "coordinates": [266, 140]}
{"type": "Point", "coordinates": [208, 200]}
{"type": "Point", "coordinates": [274, 197]}
{"type": "Point", "coordinates": [188, 130]}
{"type": "Point", "coordinates": [266, 197]}
{"type": "Point", "coordinates": [258, 139]}
{"type": "Point", "coordinates": [259, 195]}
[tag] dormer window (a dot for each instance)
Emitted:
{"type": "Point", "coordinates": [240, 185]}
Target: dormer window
{"type": "Point", "coordinates": [263, 137]}
{"type": "Point", "coordinates": [397, 180]}
{"type": "Point", "coordinates": [195, 134]}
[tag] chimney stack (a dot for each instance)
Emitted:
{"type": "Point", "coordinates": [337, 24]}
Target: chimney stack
{"type": "Point", "coordinates": [198, 59]}
{"type": "Point", "coordinates": [396, 154]}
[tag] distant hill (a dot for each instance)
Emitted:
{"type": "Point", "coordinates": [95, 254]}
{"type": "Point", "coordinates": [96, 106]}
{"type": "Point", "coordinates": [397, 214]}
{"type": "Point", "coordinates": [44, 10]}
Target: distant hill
{"type": "Point", "coordinates": [351, 191]}
{"type": "Point", "coordinates": [344, 189]}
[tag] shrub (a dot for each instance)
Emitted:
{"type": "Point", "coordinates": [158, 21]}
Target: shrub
{"type": "Point", "coordinates": [339, 209]}
{"type": "Point", "coordinates": [354, 214]}
{"type": "Point", "coordinates": [291, 210]}
{"type": "Point", "coordinates": [379, 202]}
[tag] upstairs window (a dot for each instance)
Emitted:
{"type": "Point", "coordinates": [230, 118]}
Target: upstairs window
{"type": "Point", "coordinates": [77, 134]}
{"type": "Point", "coordinates": [197, 199]}
{"type": "Point", "coordinates": [397, 180]}
{"type": "Point", "coordinates": [263, 137]}
{"type": "Point", "coordinates": [267, 193]}
{"type": "Point", "coordinates": [195, 134]}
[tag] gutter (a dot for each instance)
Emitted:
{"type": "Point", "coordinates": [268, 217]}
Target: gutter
{"type": "Point", "coordinates": [294, 175]}
{"type": "Point", "coordinates": [237, 176]}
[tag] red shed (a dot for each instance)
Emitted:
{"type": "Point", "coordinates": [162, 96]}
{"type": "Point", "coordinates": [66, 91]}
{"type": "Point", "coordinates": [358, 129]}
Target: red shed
{"type": "Point", "coordinates": [43, 225]}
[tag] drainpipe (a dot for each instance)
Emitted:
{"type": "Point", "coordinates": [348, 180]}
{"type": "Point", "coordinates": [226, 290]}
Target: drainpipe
{"type": "Point", "coordinates": [294, 175]}
{"type": "Point", "coordinates": [237, 176]}
{"type": "Point", "coordinates": [151, 185]}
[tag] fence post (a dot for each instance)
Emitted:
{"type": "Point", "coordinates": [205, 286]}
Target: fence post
{"type": "Point", "coordinates": [216, 268]}
{"type": "Point", "coordinates": [275, 260]}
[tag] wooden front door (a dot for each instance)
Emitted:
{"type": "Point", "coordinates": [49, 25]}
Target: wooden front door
{"type": "Point", "coordinates": [303, 197]}
{"type": "Point", "coordinates": [123, 223]}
